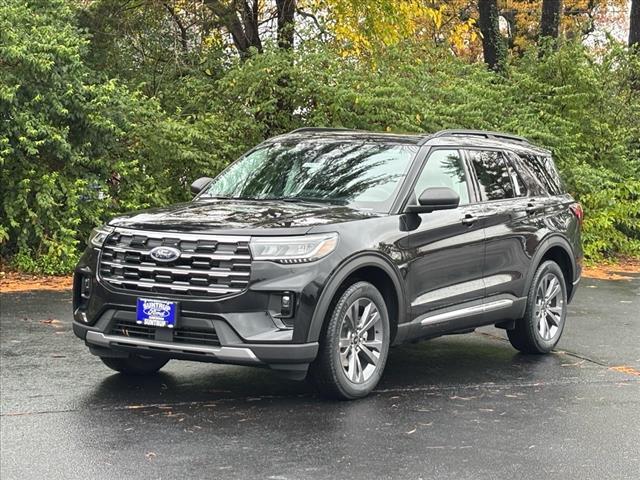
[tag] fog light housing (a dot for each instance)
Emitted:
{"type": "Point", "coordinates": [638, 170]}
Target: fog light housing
{"type": "Point", "coordinates": [286, 305]}
{"type": "Point", "coordinates": [85, 287]}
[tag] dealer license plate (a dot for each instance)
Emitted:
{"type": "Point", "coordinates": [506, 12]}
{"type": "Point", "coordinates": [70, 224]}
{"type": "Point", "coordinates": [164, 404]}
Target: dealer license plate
{"type": "Point", "coordinates": [156, 313]}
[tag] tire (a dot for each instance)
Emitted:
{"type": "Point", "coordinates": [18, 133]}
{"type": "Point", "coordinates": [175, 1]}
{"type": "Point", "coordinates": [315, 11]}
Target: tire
{"type": "Point", "coordinates": [349, 365]}
{"type": "Point", "coordinates": [541, 327]}
{"type": "Point", "coordinates": [135, 365]}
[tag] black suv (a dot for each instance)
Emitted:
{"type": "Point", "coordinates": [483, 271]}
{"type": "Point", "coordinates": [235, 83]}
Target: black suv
{"type": "Point", "coordinates": [319, 249]}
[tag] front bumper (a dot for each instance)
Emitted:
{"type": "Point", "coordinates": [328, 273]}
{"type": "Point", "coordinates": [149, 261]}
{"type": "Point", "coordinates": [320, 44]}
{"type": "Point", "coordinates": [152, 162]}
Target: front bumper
{"type": "Point", "coordinates": [279, 357]}
{"type": "Point", "coordinates": [239, 329]}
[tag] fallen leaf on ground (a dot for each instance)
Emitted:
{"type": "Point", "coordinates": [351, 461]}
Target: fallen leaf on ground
{"type": "Point", "coordinates": [51, 321]}
{"type": "Point", "coordinates": [456, 397]}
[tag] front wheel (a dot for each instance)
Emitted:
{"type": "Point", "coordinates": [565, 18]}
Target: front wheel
{"type": "Point", "coordinates": [541, 327]}
{"type": "Point", "coordinates": [135, 364]}
{"type": "Point", "coordinates": [354, 346]}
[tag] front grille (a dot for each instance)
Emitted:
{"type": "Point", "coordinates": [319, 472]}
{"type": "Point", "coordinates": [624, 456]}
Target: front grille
{"type": "Point", "coordinates": [208, 266]}
{"type": "Point", "coordinates": [132, 329]}
{"type": "Point", "coordinates": [200, 337]}
{"type": "Point", "coordinates": [129, 328]}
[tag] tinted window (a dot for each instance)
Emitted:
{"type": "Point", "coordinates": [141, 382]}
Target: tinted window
{"type": "Point", "coordinates": [525, 176]}
{"type": "Point", "coordinates": [444, 168]}
{"type": "Point", "coordinates": [493, 175]}
{"type": "Point", "coordinates": [545, 171]}
{"type": "Point", "coordinates": [361, 174]}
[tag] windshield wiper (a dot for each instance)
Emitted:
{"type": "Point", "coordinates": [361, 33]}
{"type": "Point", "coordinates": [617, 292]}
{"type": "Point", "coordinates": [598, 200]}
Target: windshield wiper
{"type": "Point", "coordinates": [280, 199]}
{"type": "Point", "coordinates": [309, 200]}
{"type": "Point", "coordinates": [219, 197]}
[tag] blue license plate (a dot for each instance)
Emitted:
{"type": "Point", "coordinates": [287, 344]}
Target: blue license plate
{"type": "Point", "coordinates": [156, 313]}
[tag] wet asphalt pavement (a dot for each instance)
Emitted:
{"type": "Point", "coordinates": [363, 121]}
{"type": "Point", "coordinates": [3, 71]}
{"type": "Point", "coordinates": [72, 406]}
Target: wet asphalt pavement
{"type": "Point", "coordinates": [463, 407]}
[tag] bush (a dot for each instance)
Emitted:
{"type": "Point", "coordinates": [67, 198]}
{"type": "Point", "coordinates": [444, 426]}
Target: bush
{"type": "Point", "coordinates": [75, 151]}
{"type": "Point", "coordinates": [76, 148]}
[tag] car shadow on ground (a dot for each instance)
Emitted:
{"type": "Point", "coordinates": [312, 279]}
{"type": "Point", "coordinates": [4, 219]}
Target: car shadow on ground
{"type": "Point", "coordinates": [446, 363]}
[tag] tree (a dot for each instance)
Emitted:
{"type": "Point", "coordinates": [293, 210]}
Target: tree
{"type": "Point", "coordinates": [493, 46]}
{"type": "Point", "coordinates": [550, 19]}
{"type": "Point", "coordinates": [245, 20]}
{"type": "Point", "coordinates": [241, 19]}
{"type": "Point", "coordinates": [634, 23]}
{"type": "Point", "coordinates": [286, 10]}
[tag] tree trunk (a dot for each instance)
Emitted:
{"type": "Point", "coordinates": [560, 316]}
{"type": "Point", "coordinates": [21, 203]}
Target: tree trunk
{"type": "Point", "coordinates": [493, 47]}
{"type": "Point", "coordinates": [250, 19]}
{"type": "Point", "coordinates": [241, 20]}
{"type": "Point", "coordinates": [550, 19]}
{"type": "Point", "coordinates": [634, 24]}
{"type": "Point", "coordinates": [286, 25]}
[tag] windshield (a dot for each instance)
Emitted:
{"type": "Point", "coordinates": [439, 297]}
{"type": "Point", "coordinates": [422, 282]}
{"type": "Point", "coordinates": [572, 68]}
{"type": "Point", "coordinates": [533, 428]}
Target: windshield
{"type": "Point", "coordinates": [356, 173]}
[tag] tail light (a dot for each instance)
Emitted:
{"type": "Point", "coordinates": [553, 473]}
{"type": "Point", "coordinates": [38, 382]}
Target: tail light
{"type": "Point", "coordinates": [577, 210]}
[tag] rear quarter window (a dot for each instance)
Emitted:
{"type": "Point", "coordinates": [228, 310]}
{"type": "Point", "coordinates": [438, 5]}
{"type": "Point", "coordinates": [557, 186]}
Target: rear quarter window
{"type": "Point", "coordinates": [544, 169]}
{"type": "Point", "coordinates": [534, 186]}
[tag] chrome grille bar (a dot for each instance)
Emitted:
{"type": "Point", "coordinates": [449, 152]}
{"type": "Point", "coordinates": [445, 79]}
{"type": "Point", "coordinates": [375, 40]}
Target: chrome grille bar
{"type": "Point", "coordinates": [209, 266]}
{"type": "Point", "coordinates": [181, 270]}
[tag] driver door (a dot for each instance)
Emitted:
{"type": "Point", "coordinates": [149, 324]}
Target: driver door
{"type": "Point", "coordinates": [447, 249]}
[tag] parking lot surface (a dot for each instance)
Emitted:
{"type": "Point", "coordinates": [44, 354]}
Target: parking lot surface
{"type": "Point", "coordinates": [463, 407]}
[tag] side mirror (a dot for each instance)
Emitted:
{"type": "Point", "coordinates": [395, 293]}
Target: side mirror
{"type": "Point", "coordinates": [200, 184]}
{"type": "Point", "coordinates": [435, 198]}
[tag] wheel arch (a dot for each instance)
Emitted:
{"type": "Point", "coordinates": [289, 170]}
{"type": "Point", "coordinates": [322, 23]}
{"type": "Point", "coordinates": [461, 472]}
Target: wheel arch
{"type": "Point", "coordinates": [558, 249]}
{"type": "Point", "coordinates": [370, 267]}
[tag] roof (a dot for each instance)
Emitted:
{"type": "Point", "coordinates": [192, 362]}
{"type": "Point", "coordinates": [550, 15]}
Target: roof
{"type": "Point", "coordinates": [471, 138]}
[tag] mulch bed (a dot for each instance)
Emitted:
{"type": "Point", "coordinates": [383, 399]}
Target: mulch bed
{"type": "Point", "coordinates": [22, 282]}
{"type": "Point", "coordinates": [623, 269]}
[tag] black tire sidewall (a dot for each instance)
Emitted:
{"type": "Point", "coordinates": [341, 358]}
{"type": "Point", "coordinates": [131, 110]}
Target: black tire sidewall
{"type": "Point", "coordinates": [347, 388]}
{"type": "Point", "coordinates": [135, 364]}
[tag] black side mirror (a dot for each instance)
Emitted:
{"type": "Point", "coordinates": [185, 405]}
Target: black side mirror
{"type": "Point", "coordinates": [435, 198]}
{"type": "Point", "coordinates": [200, 184]}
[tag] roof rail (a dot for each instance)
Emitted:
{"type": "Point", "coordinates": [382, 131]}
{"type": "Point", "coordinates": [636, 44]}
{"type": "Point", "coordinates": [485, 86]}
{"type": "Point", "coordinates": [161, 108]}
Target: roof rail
{"type": "Point", "coordinates": [321, 129]}
{"type": "Point", "coordinates": [481, 133]}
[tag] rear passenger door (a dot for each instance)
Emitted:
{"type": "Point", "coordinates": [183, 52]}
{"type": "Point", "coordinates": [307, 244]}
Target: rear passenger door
{"type": "Point", "coordinates": [510, 224]}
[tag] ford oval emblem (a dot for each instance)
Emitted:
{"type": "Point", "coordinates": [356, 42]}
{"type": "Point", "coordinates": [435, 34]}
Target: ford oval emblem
{"type": "Point", "coordinates": [165, 254]}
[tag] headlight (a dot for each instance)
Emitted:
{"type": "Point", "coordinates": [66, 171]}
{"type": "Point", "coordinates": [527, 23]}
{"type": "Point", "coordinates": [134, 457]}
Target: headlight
{"type": "Point", "coordinates": [99, 235]}
{"type": "Point", "coordinates": [302, 249]}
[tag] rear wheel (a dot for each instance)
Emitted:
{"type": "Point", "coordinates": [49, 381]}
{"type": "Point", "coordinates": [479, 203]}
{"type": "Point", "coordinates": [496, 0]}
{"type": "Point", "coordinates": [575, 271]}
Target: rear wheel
{"type": "Point", "coordinates": [541, 327]}
{"type": "Point", "coordinates": [135, 364]}
{"type": "Point", "coordinates": [354, 346]}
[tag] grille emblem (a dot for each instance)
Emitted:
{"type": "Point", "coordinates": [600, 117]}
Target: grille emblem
{"type": "Point", "coordinates": [165, 254]}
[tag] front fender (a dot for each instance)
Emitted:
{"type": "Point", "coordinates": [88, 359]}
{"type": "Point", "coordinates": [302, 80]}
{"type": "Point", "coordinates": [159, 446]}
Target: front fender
{"type": "Point", "coordinates": [342, 273]}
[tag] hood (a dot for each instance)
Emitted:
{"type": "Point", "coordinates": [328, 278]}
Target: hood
{"type": "Point", "coordinates": [215, 215]}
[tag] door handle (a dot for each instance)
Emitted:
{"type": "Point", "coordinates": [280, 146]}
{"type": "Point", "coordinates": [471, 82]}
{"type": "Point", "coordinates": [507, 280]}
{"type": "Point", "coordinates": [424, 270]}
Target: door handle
{"type": "Point", "coordinates": [469, 219]}
{"type": "Point", "coordinates": [533, 207]}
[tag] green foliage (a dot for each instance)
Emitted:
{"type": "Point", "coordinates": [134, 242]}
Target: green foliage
{"type": "Point", "coordinates": [78, 147]}
{"type": "Point", "coordinates": [74, 151]}
{"type": "Point", "coordinates": [612, 206]}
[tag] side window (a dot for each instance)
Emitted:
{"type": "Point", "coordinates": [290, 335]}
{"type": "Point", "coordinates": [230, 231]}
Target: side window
{"type": "Point", "coordinates": [444, 168]}
{"type": "Point", "coordinates": [493, 174]}
{"type": "Point", "coordinates": [525, 176]}
{"type": "Point", "coordinates": [545, 171]}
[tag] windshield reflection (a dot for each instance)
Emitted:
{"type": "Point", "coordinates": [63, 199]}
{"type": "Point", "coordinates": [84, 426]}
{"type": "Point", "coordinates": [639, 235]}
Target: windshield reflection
{"type": "Point", "coordinates": [361, 174]}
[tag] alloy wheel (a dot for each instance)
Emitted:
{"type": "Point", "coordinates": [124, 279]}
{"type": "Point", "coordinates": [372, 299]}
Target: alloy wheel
{"type": "Point", "coordinates": [550, 306]}
{"type": "Point", "coordinates": [361, 340]}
